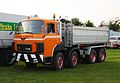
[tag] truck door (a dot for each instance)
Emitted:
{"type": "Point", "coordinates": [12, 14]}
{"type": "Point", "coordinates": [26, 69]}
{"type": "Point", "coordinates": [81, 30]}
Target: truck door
{"type": "Point", "coordinates": [51, 39]}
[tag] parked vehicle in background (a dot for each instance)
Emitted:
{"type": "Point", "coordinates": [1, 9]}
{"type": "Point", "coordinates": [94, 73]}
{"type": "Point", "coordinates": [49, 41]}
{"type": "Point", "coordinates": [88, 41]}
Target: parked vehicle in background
{"type": "Point", "coordinates": [114, 42]}
{"type": "Point", "coordinates": [8, 24]}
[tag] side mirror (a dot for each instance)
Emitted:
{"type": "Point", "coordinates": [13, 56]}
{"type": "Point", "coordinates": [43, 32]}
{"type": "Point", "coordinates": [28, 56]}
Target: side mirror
{"type": "Point", "coordinates": [11, 33]}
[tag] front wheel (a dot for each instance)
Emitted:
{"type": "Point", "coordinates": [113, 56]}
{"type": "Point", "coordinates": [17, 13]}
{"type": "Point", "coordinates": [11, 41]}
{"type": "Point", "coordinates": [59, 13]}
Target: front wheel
{"type": "Point", "coordinates": [6, 57]}
{"type": "Point", "coordinates": [58, 61]}
{"type": "Point", "coordinates": [73, 59]}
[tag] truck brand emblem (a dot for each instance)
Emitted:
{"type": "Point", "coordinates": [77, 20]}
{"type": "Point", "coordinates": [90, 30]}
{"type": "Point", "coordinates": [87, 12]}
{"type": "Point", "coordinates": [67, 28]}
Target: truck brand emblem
{"type": "Point", "coordinates": [23, 38]}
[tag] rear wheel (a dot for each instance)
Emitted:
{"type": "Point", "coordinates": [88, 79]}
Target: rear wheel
{"type": "Point", "coordinates": [6, 57]}
{"type": "Point", "coordinates": [91, 58]}
{"type": "Point", "coordinates": [101, 55]}
{"type": "Point", "coordinates": [73, 59]}
{"type": "Point", "coordinates": [30, 65]}
{"type": "Point", "coordinates": [0, 57]}
{"type": "Point", "coordinates": [58, 61]}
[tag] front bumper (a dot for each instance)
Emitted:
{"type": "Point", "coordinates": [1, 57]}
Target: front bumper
{"type": "Point", "coordinates": [31, 58]}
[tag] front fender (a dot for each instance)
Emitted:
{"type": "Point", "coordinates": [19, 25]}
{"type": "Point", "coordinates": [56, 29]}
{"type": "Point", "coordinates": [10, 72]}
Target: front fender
{"type": "Point", "coordinates": [59, 47]}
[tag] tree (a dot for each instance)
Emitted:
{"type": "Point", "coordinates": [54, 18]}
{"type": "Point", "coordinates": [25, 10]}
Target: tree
{"type": "Point", "coordinates": [76, 22]}
{"type": "Point", "coordinates": [89, 24]}
{"type": "Point", "coordinates": [103, 24]}
{"type": "Point", "coordinates": [114, 25]}
{"type": "Point", "coordinates": [81, 24]}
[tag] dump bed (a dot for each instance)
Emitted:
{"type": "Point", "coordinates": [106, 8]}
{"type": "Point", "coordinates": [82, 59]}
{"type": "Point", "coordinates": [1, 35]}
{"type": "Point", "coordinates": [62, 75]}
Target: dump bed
{"type": "Point", "coordinates": [90, 35]}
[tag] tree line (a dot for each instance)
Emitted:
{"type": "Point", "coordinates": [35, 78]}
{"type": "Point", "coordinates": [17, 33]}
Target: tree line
{"type": "Point", "coordinates": [113, 24]}
{"type": "Point", "coordinates": [76, 22]}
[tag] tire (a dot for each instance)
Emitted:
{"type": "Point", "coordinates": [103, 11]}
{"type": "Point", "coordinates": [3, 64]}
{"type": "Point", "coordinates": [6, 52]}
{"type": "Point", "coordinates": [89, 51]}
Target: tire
{"type": "Point", "coordinates": [101, 55]}
{"type": "Point", "coordinates": [30, 65]}
{"type": "Point", "coordinates": [58, 61]}
{"type": "Point", "coordinates": [90, 59]}
{"type": "Point", "coordinates": [0, 57]}
{"type": "Point", "coordinates": [73, 60]}
{"type": "Point", "coordinates": [6, 57]}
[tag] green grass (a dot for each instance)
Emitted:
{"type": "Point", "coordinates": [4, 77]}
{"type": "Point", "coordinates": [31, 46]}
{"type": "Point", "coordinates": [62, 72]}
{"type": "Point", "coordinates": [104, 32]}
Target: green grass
{"type": "Point", "coordinates": [106, 72]}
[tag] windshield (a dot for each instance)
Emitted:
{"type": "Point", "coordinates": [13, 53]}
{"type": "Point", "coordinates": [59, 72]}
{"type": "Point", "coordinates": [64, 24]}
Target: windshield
{"type": "Point", "coordinates": [33, 26]}
{"type": "Point", "coordinates": [112, 38]}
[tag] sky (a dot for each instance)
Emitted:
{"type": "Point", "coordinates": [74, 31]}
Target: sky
{"type": "Point", "coordinates": [94, 10]}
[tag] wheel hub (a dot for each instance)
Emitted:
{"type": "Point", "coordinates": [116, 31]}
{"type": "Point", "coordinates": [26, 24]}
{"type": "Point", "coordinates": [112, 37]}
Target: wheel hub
{"type": "Point", "coordinates": [102, 56]}
{"type": "Point", "coordinates": [93, 57]}
{"type": "Point", "coordinates": [60, 62]}
{"type": "Point", "coordinates": [74, 60]}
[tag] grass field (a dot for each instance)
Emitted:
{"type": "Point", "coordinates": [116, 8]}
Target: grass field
{"type": "Point", "coordinates": [106, 72]}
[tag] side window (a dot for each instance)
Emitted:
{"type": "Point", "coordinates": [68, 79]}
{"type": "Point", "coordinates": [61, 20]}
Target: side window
{"type": "Point", "coordinates": [50, 28]}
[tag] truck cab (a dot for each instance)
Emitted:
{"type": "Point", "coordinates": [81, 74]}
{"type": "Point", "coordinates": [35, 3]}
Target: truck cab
{"type": "Point", "coordinates": [35, 40]}
{"type": "Point", "coordinates": [114, 42]}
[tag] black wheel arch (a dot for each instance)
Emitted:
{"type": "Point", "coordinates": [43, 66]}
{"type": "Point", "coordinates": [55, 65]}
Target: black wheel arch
{"type": "Point", "coordinates": [59, 47]}
{"type": "Point", "coordinates": [74, 49]}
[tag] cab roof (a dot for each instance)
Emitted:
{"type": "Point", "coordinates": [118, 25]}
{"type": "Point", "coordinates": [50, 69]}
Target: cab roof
{"type": "Point", "coordinates": [45, 20]}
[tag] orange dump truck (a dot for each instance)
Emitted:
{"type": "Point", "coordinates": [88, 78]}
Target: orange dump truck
{"type": "Point", "coordinates": [58, 43]}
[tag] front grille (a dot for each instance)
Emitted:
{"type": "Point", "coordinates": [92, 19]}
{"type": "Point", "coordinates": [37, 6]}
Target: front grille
{"type": "Point", "coordinates": [24, 47]}
{"type": "Point", "coordinates": [40, 47]}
